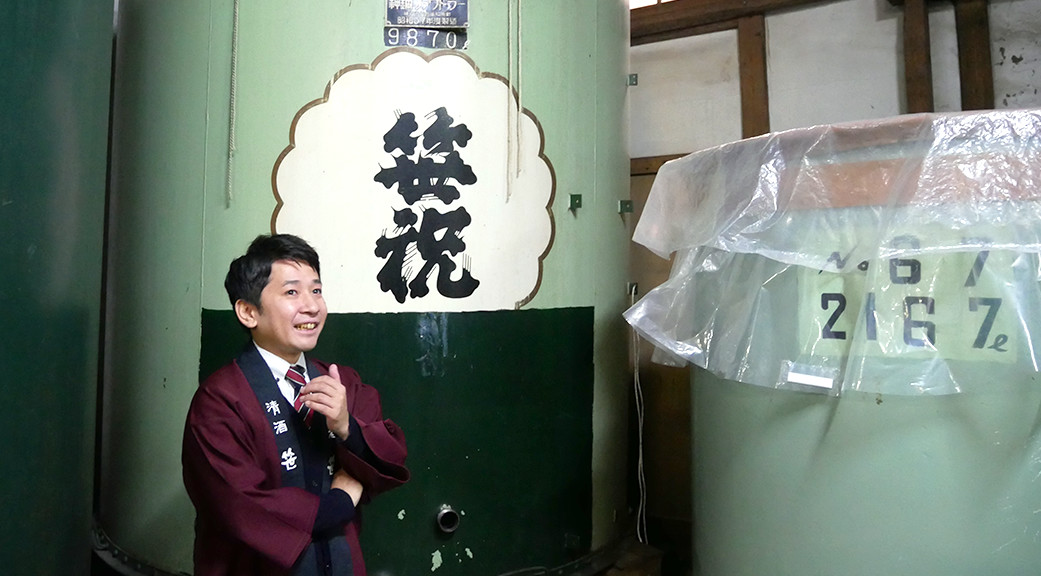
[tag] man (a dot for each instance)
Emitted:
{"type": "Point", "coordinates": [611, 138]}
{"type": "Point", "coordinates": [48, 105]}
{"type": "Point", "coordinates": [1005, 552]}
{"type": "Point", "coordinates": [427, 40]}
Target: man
{"type": "Point", "coordinates": [276, 462]}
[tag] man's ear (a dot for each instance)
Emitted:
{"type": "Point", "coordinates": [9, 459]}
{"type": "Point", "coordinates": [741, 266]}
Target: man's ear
{"type": "Point", "coordinates": [247, 313]}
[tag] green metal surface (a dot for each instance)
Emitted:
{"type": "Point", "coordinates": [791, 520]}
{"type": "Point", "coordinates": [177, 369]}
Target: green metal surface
{"type": "Point", "coordinates": [496, 407]}
{"type": "Point", "coordinates": [567, 61]}
{"type": "Point", "coordinates": [160, 119]}
{"type": "Point", "coordinates": [177, 225]}
{"type": "Point", "coordinates": [789, 483]}
{"type": "Point", "coordinates": [54, 88]}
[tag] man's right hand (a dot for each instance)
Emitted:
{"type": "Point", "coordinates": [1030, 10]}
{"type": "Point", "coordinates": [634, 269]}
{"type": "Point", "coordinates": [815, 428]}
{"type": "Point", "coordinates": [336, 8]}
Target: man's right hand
{"type": "Point", "coordinates": [348, 484]}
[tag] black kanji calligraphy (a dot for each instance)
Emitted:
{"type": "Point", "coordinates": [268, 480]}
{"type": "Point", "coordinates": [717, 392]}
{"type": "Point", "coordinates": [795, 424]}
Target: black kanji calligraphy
{"type": "Point", "coordinates": [427, 169]}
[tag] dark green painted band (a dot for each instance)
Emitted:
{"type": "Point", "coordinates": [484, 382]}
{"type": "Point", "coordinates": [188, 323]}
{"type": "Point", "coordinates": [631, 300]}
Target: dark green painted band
{"type": "Point", "coordinates": [497, 410]}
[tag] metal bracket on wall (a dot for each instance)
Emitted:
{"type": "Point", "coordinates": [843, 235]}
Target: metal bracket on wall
{"type": "Point", "coordinates": [575, 202]}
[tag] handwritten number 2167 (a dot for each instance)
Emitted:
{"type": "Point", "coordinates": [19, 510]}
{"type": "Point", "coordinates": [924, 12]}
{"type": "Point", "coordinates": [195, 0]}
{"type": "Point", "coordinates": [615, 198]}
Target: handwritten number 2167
{"type": "Point", "coordinates": [916, 332]}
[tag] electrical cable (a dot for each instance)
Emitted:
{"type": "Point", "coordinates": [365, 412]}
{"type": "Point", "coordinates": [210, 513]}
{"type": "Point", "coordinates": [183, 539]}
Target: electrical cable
{"type": "Point", "coordinates": [641, 511]}
{"type": "Point", "coordinates": [232, 100]}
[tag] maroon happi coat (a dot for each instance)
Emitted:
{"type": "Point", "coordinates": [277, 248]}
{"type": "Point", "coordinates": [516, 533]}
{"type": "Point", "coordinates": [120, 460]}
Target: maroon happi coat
{"type": "Point", "coordinates": [247, 523]}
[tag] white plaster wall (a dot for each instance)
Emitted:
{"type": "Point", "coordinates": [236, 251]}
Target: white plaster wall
{"type": "Point", "coordinates": [1015, 37]}
{"type": "Point", "coordinates": [843, 61]}
{"type": "Point", "coordinates": [833, 62]}
{"type": "Point", "coordinates": [687, 96]}
{"type": "Point", "coordinates": [944, 53]}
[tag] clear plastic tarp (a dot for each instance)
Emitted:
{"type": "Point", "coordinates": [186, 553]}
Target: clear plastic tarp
{"type": "Point", "coordinates": [896, 256]}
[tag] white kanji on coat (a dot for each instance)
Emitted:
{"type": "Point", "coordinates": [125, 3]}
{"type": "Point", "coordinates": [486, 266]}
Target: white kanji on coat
{"type": "Point", "coordinates": [289, 459]}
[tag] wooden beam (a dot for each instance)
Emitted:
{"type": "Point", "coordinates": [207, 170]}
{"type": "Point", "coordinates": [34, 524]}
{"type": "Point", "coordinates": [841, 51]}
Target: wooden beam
{"type": "Point", "coordinates": [900, 3]}
{"type": "Point", "coordinates": [974, 63]}
{"type": "Point", "coordinates": [684, 14]}
{"type": "Point", "coordinates": [649, 164]}
{"type": "Point", "coordinates": [683, 33]}
{"type": "Point", "coordinates": [751, 56]}
{"type": "Point", "coordinates": [918, 67]}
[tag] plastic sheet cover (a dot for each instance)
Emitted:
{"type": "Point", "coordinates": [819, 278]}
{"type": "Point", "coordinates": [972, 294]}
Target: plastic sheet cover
{"type": "Point", "coordinates": [895, 256]}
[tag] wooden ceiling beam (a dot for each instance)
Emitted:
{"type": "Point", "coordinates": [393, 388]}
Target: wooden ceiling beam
{"type": "Point", "coordinates": [682, 33]}
{"type": "Point", "coordinates": [659, 19]}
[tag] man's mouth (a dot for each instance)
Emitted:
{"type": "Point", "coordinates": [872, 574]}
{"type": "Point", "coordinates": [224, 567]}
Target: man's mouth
{"type": "Point", "coordinates": [307, 326]}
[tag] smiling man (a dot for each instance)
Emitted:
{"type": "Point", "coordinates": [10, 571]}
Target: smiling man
{"type": "Point", "coordinates": [280, 450]}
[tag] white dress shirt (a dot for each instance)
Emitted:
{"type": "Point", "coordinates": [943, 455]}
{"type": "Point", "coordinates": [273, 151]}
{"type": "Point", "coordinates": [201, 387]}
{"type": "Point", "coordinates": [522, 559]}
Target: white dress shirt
{"type": "Point", "coordinates": [279, 367]}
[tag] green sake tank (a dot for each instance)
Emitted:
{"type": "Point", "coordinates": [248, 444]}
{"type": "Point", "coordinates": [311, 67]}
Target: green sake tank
{"type": "Point", "coordinates": [861, 302]}
{"type": "Point", "coordinates": [54, 92]}
{"type": "Point", "coordinates": [793, 483]}
{"type": "Point", "coordinates": [237, 119]}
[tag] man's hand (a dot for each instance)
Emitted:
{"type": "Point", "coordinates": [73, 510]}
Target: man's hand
{"type": "Point", "coordinates": [328, 397]}
{"type": "Point", "coordinates": [348, 484]}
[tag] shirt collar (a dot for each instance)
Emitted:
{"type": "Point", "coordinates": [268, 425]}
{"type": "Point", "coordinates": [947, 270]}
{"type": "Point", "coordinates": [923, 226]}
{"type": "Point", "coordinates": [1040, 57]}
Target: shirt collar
{"type": "Point", "coordinates": [277, 365]}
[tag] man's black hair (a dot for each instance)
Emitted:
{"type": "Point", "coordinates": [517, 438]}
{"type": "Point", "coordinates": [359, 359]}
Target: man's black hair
{"type": "Point", "coordinates": [249, 273]}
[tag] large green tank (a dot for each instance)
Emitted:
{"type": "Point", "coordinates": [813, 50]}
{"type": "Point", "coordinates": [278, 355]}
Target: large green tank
{"type": "Point", "coordinates": [54, 93]}
{"type": "Point", "coordinates": [511, 390]}
{"type": "Point", "coordinates": [861, 302]}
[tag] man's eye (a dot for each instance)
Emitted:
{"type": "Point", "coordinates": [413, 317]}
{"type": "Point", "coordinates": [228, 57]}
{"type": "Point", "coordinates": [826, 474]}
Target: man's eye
{"type": "Point", "coordinates": [317, 291]}
{"type": "Point", "coordinates": [291, 292]}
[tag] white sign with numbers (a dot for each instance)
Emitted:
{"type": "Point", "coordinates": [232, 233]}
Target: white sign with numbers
{"type": "Point", "coordinates": [955, 306]}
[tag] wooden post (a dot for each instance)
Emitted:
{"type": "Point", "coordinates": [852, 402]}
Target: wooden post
{"type": "Point", "coordinates": [751, 54]}
{"type": "Point", "coordinates": [974, 62]}
{"type": "Point", "coordinates": [918, 73]}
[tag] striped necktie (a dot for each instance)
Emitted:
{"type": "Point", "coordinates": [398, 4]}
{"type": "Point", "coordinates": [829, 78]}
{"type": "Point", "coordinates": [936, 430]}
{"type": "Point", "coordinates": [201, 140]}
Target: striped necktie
{"type": "Point", "coordinates": [295, 375]}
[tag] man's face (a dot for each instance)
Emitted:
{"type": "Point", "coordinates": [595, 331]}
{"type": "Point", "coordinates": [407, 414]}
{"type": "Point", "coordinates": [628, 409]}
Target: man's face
{"type": "Point", "coordinates": [292, 311]}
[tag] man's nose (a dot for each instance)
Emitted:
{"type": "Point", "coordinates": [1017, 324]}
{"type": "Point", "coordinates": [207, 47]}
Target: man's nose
{"type": "Point", "coordinates": [310, 302]}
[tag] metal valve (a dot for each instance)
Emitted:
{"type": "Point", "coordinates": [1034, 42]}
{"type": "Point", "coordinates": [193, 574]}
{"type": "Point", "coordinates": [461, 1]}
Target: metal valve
{"type": "Point", "coordinates": [447, 519]}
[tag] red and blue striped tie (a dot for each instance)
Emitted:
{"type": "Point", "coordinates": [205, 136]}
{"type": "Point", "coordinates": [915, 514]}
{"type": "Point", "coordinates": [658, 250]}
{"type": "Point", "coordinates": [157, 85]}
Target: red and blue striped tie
{"type": "Point", "coordinates": [295, 375]}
